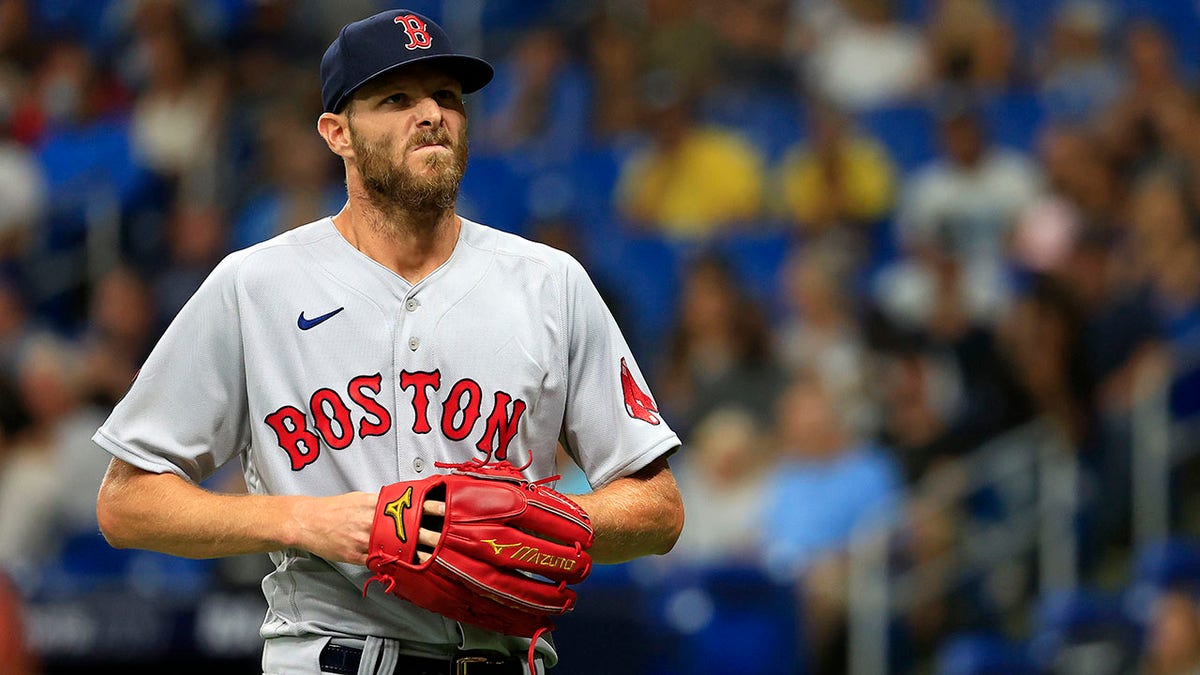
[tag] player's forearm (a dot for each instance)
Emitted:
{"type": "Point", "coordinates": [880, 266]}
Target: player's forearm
{"type": "Point", "coordinates": [163, 512]}
{"type": "Point", "coordinates": [635, 516]}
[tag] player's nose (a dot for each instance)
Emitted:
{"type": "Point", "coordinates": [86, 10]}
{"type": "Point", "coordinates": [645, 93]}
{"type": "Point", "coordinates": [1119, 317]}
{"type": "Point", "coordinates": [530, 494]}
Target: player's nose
{"type": "Point", "coordinates": [429, 113]}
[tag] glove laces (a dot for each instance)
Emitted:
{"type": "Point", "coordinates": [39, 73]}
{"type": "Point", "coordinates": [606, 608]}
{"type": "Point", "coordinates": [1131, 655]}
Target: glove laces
{"type": "Point", "coordinates": [537, 635]}
{"type": "Point", "coordinates": [503, 467]}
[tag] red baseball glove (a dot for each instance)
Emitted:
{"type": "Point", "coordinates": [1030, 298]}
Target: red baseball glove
{"type": "Point", "coordinates": [507, 551]}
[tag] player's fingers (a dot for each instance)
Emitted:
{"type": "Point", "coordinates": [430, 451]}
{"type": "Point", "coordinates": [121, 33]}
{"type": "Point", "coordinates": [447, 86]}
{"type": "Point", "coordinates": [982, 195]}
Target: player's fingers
{"type": "Point", "coordinates": [423, 557]}
{"type": "Point", "coordinates": [428, 537]}
{"type": "Point", "coordinates": [434, 508]}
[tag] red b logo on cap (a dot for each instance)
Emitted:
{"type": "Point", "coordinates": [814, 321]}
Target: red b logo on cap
{"type": "Point", "coordinates": [415, 28]}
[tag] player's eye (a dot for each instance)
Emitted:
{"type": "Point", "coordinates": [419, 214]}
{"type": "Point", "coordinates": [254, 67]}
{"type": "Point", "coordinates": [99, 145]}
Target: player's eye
{"type": "Point", "coordinates": [447, 96]}
{"type": "Point", "coordinates": [399, 97]}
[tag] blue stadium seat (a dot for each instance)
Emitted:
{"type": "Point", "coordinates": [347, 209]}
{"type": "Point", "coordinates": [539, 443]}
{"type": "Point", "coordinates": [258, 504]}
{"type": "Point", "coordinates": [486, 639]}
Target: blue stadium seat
{"type": "Point", "coordinates": [519, 14]}
{"type": "Point", "coordinates": [609, 612]}
{"type": "Point", "coordinates": [645, 268]}
{"type": "Point", "coordinates": [86, 564]}
{"type": "Point", "coordinates": [1030, 19]}
{"type": "Point", "coordinates": [595, 173]}
{"type": "Point", "coordinates": [1072, 626]}
{"type": "Point", "coordinates": [1185, 394]}
{"type": "Point", "coordinates": [983, 654]}
{"type": "Point", "coordinates": [757, 258]}
{"type": "Point", "coordinates": [1179, 19]}
{"type": "Point", "coordinates": [912, 11]}
{"type": "Point", "coordinates": [88, 162]}
{"type": "Point", "coordinates": [771, 121]}
{"type": "Point", "coordinates": [907, 131]}
{"type": "Point", "coordinates": [726, 620]}
{"type": "Point", "coordinates": [1013, 119]}
{"type": "Point", "coordinates": [492, 193]}
{"type": "Point", "coordinates": [78, 18]}
{"type": "Point", "coordinates": [166, 576]}
{"type": "Point", "coordinates": [1163, 564]}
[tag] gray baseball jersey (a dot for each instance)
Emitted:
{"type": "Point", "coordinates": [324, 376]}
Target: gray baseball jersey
{"type": "Point", "coordinates": [325, 372]}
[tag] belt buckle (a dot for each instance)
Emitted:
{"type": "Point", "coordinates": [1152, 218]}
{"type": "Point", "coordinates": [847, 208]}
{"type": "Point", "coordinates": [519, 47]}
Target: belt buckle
{"type": "Point", "coordinates": [462, 664]}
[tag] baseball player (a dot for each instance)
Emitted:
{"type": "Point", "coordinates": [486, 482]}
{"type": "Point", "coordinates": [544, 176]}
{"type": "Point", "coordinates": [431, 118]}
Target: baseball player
{"type": "Point", "coordinates": [367, 348]}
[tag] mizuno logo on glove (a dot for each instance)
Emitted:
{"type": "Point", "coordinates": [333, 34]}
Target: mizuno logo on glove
{"type": "Point", "coordinates": [530, 554]}
{"type": "Point", "coordinates": [499, 547]}
{"type": "Point", "coordinates": [395, 509]}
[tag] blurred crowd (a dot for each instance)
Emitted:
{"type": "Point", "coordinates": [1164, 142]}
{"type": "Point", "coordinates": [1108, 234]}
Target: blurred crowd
{"type": "Point", "coordinates": [851, 241]}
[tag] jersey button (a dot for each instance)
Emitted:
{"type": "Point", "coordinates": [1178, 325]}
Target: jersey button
{"type": "Point", "coordinates": [412, 305]}
{"type": "Point", "coordinates": [413, 343]}
{"type": "Point", "coordinates": [418, 465]}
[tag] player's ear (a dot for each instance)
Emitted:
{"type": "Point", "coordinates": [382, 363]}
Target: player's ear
{"type": "Point", "coordinates": [335, 129]}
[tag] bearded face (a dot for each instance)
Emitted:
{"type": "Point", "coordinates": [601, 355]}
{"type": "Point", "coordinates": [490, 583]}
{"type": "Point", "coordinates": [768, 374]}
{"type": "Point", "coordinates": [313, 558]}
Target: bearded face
{"type": "Point", "coordinates": [392, 183]}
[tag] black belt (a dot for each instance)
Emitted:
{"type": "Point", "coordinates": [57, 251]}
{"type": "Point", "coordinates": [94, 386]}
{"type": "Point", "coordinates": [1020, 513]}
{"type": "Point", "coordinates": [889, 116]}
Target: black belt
{"type": "Point", "coordinates": [344, 660]}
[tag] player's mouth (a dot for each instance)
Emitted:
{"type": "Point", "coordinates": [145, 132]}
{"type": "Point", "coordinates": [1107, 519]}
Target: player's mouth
{"type": "Point", "coordinates": [428, 146]}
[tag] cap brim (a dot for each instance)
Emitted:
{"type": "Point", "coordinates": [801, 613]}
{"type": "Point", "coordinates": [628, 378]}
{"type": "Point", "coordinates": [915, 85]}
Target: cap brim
{"type": "Point", "coordinates": [471, 72]}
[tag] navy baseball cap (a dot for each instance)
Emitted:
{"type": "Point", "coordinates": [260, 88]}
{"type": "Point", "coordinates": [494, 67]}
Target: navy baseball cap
{"type": "Point", "coordinates": [366, 49]}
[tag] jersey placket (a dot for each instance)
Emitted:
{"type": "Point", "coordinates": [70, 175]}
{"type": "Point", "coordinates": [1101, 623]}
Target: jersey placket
{"type": "Point", "coordinates": [410, 354]}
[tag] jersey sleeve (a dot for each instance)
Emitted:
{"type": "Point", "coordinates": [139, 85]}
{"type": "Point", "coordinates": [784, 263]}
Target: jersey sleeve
{"type": "Point", "coordinates": [611, 425]}
{"type": "Point", "coordinates": [186, 411]}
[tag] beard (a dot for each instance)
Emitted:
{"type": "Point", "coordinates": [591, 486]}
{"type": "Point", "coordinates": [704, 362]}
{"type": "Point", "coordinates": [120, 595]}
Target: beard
{"type": "Point", "coordinates": [391, 186]}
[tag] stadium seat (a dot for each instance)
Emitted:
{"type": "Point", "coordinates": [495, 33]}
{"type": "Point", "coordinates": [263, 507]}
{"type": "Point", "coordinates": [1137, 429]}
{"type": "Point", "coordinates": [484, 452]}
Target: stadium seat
{"type": "Point", "coordinates": [81, 18]}
{"type": "Point", "coordinates": [907, 131]}
{"type": "Point", "coordinates": [726, 620]}
{"type": "Point", "coordinates": [165, 576]}
{"type": "Point", "coordinates": [1179, 19]}
{"type": "Point", "coordinates": [645, 269]}
{"type": "Point", "coordinates": [487, 194]}
{"type": "Point", "coordinates": [609, 611]}
{"type": "Point", "coordinates": [1169, 562]}
{"type": "Point", "coordinates": [1083, 631]}
{"type": "Point", "coordinates": [983, 654]}
{"type": "Point", "coordinates": [757, 258]}
{"type": "Point", "coordinates": [594, 173]}
{"type": "Point", "coordinates": [1163, 564]}
{"type": "Point", "coordinates": [772, 123]}
{"type": "Point", "coordinates": [1184, 387]}
{"type": "Point", "coordinates": [85, 562]}
{"type": "Point", "coordinates": [1013, 119]}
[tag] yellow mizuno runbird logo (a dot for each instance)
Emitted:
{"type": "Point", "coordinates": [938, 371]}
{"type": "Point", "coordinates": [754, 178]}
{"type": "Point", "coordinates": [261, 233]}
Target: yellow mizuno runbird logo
{"type": "Point", "coordinates": [395, 509]}
{"type": "Point", "coordinates": [499, 547]}
{"type": "Point", "coordinates": [530, 554]}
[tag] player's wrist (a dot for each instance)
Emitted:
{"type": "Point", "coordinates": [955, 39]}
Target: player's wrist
{"type": "Point", "coordinates": [291, 529]}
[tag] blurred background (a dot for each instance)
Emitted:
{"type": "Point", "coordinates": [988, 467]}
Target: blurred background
{"type": "Point", "coordinates": [917, 281]}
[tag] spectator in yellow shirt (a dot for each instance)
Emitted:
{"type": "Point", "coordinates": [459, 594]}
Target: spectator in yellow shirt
{"type": "Point", "coordinates": [836, 181]}
{"type": "Point", "coordinates": [691, 181]}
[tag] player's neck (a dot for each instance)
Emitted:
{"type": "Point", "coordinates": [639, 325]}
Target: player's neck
{"type": "Point", "coordinates": [412, 245]}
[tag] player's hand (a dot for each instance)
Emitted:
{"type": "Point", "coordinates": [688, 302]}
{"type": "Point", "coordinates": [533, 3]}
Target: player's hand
{"type": "Point", "coordinates": [335, 528]}
{"type": "Point", "coordinates": [430, 538]}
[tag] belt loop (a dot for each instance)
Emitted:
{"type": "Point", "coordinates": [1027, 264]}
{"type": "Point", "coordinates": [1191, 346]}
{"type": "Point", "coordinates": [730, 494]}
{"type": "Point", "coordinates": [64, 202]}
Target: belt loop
{"type": "Point", "coordinates": [379, 656]}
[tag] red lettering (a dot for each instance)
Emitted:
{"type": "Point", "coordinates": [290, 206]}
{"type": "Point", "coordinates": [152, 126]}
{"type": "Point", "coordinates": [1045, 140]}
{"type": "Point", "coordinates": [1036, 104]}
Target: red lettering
{"type": "Point", "coordinates": [383, 420]}
{"type": "Point", "coordinates": [453, 405]}
{"type": "Point", "coordinates": [291, 428]}
{"type": "Point", "coordinates": [324, 418]}
{"type": "Point", "coordinates": [501, 427]}
{"type": "Point", "coordinates": [417, 31]}
{"type": "Point", "coordinates": [421, 382]}
{"type": "Point", "coordinates": [332, 418]}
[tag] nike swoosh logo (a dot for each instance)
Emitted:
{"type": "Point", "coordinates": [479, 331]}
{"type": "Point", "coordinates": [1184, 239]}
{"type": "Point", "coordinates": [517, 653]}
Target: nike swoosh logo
{"type": "Point", "coordinates": [305, 324]}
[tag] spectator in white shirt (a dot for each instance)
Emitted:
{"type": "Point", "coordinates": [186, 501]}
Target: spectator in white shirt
{"type": "Point", "coordinates": [959, 208]}
{"type": "Point", "coordinates": [869, 61]}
